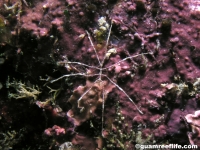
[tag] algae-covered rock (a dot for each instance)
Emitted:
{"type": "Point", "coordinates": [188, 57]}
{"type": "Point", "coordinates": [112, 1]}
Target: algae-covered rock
{"type": "Point", "coordinates": [5, 33]}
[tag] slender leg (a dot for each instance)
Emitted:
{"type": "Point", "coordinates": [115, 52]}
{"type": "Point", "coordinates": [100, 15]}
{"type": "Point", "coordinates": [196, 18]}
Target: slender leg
{"type": "Point", "coordinates": [124, 93]}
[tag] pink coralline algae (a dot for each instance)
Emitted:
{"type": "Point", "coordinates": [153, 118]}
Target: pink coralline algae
{"type": "Point", "coordinates": [110, 73]}
{"type": "Point", "coordinates": [193, 121]}
{"type": "Point", "coordinates": [55, 130]}
{"type": "Point", "coordinates": [83, 106]}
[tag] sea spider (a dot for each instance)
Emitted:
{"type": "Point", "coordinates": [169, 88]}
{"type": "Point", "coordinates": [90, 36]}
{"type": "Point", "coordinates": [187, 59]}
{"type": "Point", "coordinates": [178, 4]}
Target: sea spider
{"type": "Point", "coordinates": [98, 88]}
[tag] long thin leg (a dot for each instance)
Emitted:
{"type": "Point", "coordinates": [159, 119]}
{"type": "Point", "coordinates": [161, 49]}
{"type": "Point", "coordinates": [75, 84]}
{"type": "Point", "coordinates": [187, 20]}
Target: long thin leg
{"type": "Point", "coordinates": [108, 35]}
{"type": "Point", "coordinates": [82, 97]}
{"type": "Point", "coordinates": [82, 64]}
{"type": "Point", "coordinates": [102, 63]}
{"type": "Point", "coordinates": [86, 93]}
{"type": "Point", "coordinates": [124, 60]}
{"type": "Point", "coordinates": [102, 119]}
{"type": "Point", "coordinates": [93, 47]}
{"type": "Point", "coordinates": [124, 94]}
{"type": "Point", "coordinates": [68, 75]}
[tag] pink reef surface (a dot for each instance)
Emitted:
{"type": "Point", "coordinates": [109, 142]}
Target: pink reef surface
{"type": "Point", "coordinates": [99, 74]}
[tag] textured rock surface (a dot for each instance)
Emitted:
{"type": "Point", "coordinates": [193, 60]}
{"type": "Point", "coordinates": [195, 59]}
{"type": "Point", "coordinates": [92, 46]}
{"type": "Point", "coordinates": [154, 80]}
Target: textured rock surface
{"type": "Point", "coordinates": [149, 64]}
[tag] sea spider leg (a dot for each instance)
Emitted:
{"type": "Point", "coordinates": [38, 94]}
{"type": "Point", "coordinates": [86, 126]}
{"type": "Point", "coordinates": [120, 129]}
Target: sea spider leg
{"type": "Point", "coordinates": [124, 60]}
{"type": "Point", "coordinates": [102, 118]}
{"type": "Point", "coordinates": [100, 81]}
{"type": "Point", "coordinates": [82, 64]}
{"type": "Point", "coordinates": [69, 75]}
{"type": "Point", "coordinates": [102, 63]}
{"type": "Point", "coordinates": [124, 93]}
{"type": "Point", "coordinates": [82, 108]}
{"type": "Point", "coordinates": [93, 47]}
{"type": "Point", "coordinates": [108, 35]}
